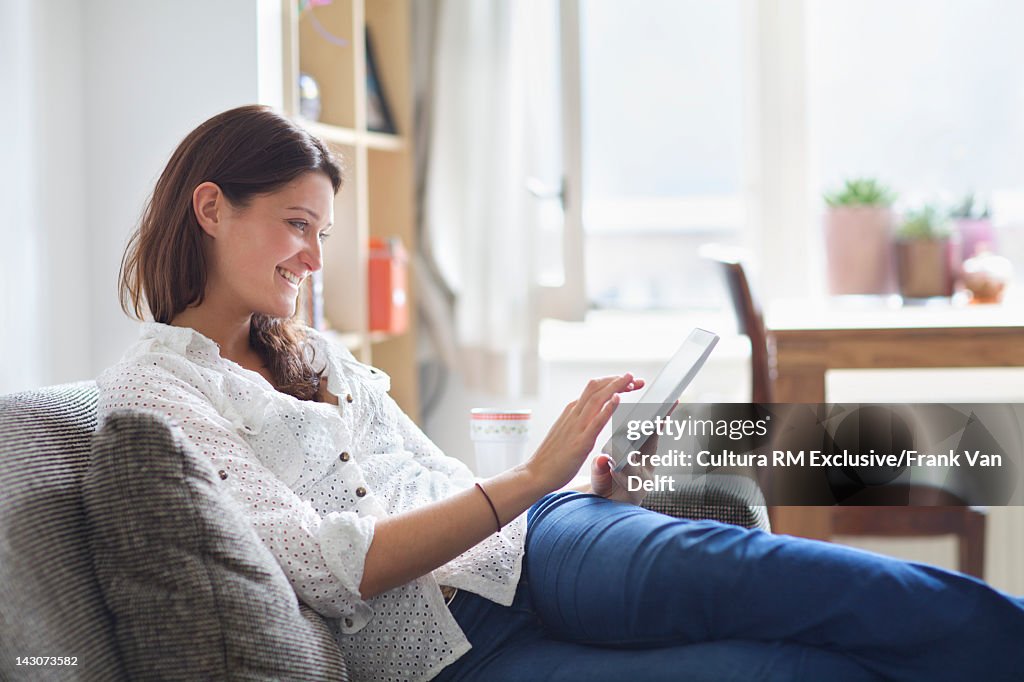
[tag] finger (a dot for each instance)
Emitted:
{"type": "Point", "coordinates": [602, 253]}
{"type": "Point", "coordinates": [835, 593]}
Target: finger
{"type": "Point", "coordinates": [605, 385]}
{"type": "Point", "coordinates": [601, 418]}
{"type": "Point", "coordinates": [601, 481]}
{"type": "Point", "coordinates": [592, 387]}
{"type": "Point", "coordinates": [598, 383]}
{"type": "Point", "coordinates": [611, 386]}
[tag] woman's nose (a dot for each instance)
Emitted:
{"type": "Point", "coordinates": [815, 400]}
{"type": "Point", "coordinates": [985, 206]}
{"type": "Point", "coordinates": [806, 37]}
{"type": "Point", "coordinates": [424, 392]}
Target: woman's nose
{"type": "Point", "coordinates": [312, 254]}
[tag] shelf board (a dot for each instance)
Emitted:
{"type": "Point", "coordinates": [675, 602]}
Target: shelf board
{"type": "Point", "coordinates": [351, 340]}
{"type": "Point", "coordinates": [355, 340]}
{"type": "Point", "coordinates": [331, 133]}
{"type": "Point", "coordinates": [384, 141]}
{"type": "Point", "coordinates": [352, 137]}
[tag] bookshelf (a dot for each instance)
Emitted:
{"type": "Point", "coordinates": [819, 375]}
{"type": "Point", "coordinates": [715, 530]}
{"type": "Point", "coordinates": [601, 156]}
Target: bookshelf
{"type": "Point", "coordinates": [328, 42]}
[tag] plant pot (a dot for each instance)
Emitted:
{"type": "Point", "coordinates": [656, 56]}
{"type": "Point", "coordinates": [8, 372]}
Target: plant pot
{"type": "Point", "coordinates": [858, 250]}
{"type": "Point", "coordinates": [974, 233]}
{"type": "Point", "coordinates": [927, 267]}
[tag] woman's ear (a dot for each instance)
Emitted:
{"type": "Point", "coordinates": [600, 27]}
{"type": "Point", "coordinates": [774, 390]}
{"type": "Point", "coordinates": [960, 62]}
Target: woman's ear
{"type": "Point", "coordinates": [208, 205]}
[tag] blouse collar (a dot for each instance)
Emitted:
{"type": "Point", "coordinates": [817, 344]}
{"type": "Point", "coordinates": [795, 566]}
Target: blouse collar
{"type": "Point", "coordinates": [178, 339]}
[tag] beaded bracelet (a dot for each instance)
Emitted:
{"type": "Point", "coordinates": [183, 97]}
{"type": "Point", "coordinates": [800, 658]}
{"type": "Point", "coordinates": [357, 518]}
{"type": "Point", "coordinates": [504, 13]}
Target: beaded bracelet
{"type": "Point", "coordinates": [495, 511]}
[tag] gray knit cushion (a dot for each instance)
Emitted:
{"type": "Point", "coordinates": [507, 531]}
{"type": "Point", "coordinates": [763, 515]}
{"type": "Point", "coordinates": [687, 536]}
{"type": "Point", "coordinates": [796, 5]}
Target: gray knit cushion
{"type": "Point", "coordinates": [194, 592]}
{"type": "Point", "coordinates": [50, 602]}
{"type": "Point", "coordinates": [723, 497]}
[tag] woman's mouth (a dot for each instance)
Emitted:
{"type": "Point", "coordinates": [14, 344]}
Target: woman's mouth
{"type": "Point", "coordinates": [291, 277]}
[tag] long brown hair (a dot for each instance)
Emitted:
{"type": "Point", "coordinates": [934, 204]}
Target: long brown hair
{"type": "Point", "coordinates": [246, 151]}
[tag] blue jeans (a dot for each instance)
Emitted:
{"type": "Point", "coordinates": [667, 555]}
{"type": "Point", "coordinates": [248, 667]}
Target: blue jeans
{"type": "Point", "coordinates": [614, 592]}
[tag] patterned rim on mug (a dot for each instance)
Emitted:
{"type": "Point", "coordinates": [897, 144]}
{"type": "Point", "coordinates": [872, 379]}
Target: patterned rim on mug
{"type": "Point", "coordinates": [489, 414]}
{"type": "Point", "coordinates": [494, 424]}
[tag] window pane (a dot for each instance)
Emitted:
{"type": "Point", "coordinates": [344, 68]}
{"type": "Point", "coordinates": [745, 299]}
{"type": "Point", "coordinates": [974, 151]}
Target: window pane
{"type": "Point", "coordinates": [926, 94]}
{"type": "Point", "coordinates": [662, 117]}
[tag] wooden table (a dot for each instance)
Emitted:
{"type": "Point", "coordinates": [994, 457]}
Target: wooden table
{"type": "Point", "coordinates": [812, 337]}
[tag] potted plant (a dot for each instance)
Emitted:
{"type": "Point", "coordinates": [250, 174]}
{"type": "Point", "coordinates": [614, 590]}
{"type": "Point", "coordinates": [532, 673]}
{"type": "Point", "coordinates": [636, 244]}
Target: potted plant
{"type": "Point", "coordinates": [858, 238]}
{"type": "Point", "coordinates": [926, 257]}
{"type": "Point", "coordinates": [974, 226]}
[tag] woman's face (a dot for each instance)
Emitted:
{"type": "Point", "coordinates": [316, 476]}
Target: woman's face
{"type": "Point", "coordinates": [263, 251]}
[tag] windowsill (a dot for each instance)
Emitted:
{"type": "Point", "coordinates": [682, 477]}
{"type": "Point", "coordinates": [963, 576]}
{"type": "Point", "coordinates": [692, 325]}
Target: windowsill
{"type": "Point", "coordinates": [615, 336]}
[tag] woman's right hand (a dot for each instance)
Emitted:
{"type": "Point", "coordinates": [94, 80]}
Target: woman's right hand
{"type": "Point", "coordinates": [572, 437]}
{"type": "Point", "coordinates": [414, 542]}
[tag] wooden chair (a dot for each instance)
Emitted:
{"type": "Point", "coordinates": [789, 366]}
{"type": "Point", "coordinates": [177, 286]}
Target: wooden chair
{"type": "Point", "coordinates": [750, 322]}
{"type": "Point", "coordinates": [936, 511]}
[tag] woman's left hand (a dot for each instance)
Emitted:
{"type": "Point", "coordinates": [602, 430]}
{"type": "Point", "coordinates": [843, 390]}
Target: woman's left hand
{"type": "Point", "coordinates": [613, 485]}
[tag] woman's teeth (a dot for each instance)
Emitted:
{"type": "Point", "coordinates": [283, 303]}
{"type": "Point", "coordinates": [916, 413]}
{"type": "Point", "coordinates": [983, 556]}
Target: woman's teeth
{"type": "Point", "coordinates": [289, 276]}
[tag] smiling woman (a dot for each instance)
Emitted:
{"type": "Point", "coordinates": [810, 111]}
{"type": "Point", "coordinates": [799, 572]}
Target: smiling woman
{"type": "Point", "coordinates": [234, 224]}
{"type": "Point", "coordinates": [429, 573]}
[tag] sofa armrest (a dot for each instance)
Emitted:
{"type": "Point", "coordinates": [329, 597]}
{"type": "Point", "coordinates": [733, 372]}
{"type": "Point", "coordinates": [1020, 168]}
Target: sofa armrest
{"type": "Point", "coordinates": [728, 498]}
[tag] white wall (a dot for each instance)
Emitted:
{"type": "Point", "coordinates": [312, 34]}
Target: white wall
{"type": "Point", "coordinates": [97, 94]}
{"type": "Point", "coordinates": [18, 359]}
{"type": "Point", "coordinates": [41, 191]}
{"type": "Point", "coordinates": [153, 71]}
{"type": "Point", "coordinates": [60, 194]}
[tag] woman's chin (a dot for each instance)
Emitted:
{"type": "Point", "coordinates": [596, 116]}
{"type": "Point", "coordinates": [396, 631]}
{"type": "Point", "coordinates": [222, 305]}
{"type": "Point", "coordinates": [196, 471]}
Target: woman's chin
{"type": "Point", "coordinates": [279, 310]}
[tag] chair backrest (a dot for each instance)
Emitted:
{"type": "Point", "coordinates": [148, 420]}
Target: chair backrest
{"type": "Point", "coordinates": [751, 322]}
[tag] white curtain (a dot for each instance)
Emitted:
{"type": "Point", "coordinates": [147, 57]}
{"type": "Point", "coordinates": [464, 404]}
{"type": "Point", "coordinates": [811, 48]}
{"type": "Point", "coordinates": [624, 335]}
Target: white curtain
{"type": "Point", "coordinates": [491, 128]}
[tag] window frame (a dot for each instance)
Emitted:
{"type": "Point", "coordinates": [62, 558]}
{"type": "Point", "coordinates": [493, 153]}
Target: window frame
{"type": "Point", "coordinates": [777, 195]}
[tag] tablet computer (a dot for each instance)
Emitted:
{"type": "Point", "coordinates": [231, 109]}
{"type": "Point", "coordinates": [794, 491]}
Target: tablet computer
{"type": "Point", "coordinates": [660, 395]}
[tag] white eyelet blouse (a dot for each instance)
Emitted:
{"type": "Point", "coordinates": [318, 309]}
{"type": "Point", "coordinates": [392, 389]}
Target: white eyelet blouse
{"type": "Point", "coordinates": [313, 478]}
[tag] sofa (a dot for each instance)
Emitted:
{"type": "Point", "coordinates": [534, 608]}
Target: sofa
{"type": "Point", "coordinates": [121, 559]}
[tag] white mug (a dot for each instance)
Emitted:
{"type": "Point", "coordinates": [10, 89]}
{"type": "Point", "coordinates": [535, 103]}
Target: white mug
{"type": "Point", "coordinates": [499, 438]}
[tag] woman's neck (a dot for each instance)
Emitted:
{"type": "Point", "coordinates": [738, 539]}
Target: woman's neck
{"type": "Point", "coordinates": [231, 334]}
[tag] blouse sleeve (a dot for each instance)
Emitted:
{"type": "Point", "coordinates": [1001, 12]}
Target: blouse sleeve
{"type": "Point", "coordinates": [323, 557]}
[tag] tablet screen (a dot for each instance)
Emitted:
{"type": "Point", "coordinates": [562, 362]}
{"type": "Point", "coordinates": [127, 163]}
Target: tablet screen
{"type": "Point", "coordinates": [661, 394]}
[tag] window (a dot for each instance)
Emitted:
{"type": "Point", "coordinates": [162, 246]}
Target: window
{"type": "Point", "coordinates": [725, 121]}
{"type": "Point", "coordinates": [925, 95]}
{"type": "Point", "coordinates": [662, 158]}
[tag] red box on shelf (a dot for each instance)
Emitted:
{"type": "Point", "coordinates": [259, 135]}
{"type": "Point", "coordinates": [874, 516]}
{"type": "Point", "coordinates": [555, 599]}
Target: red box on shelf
{"type": "Point", "coordinates": [388, 273]}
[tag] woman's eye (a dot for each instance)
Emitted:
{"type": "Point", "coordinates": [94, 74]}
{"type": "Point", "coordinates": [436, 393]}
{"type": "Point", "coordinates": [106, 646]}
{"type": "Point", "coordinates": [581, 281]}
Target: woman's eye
{"type": "Point", "coordinates": [324, 236]}
{"type": "Point", "coordinates": [299, 225]}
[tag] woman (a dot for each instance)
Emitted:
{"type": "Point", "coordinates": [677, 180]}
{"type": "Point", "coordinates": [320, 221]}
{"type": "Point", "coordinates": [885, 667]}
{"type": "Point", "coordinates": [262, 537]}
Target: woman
{"type": "Point", "coordinates": [428, 573]}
